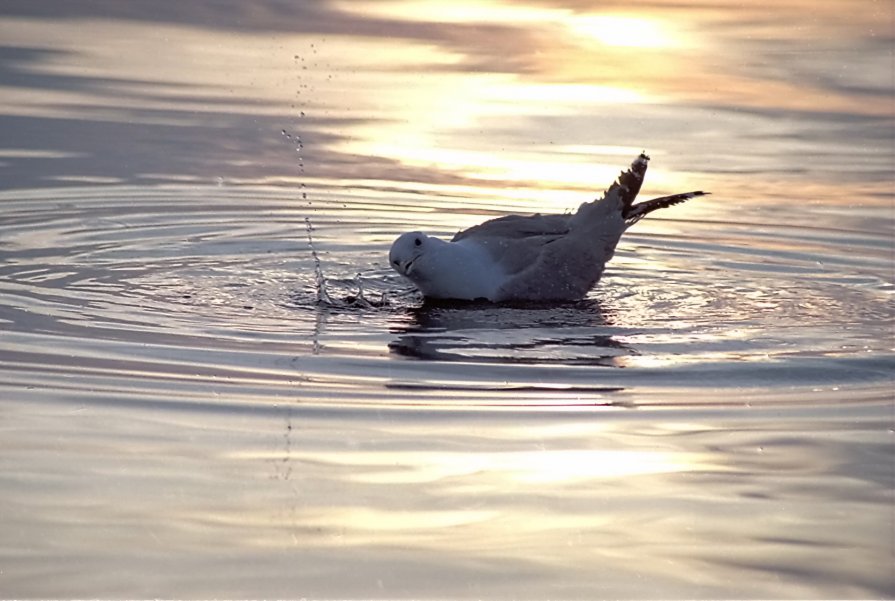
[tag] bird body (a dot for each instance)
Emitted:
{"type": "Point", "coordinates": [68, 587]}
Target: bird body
{"type": "Point", "coordinates": [529, 258]}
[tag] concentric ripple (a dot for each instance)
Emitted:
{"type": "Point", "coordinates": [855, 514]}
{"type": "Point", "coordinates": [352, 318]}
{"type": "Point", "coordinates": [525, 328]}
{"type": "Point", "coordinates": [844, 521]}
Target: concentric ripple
{"type": "Point", "coordinates": [152, 293]}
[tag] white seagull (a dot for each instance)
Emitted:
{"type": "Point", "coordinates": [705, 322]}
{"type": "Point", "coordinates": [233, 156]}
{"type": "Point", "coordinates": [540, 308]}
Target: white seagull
{"type": "Point", "coordinates": [529, 258]}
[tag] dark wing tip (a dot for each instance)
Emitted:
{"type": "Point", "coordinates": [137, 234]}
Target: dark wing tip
{"type": "Point", "coordinates": [641, 210]}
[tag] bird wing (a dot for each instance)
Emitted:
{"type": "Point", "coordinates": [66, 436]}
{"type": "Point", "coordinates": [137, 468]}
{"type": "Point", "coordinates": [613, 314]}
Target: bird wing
{"type": "Point", "coordinates": [514, 227]}
{"type": "Point", "coordinates": [515, 242]}
{"type": "Point", "coordinates": [568, 266]}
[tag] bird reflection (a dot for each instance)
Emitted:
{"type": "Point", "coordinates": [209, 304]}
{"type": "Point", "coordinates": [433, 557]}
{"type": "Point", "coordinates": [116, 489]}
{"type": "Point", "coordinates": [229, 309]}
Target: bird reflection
{"type": "Point", "coordinates": [569, 334]}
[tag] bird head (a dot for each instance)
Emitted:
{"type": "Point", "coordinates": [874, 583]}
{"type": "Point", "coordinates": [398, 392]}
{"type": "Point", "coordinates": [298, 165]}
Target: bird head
{"type": "Point", "coordinates": [405, 252]}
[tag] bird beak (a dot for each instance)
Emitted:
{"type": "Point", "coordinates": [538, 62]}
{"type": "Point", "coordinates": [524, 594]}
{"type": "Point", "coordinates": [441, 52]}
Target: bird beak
{"type": "Point", "coordinates": [403, 267]}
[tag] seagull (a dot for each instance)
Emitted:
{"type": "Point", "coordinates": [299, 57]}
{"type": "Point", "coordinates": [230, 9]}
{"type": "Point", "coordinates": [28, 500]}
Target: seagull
{"type": "Point", "coordinates": [539, 258]}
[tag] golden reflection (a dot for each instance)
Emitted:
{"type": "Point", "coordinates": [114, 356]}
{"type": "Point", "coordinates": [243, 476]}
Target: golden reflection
{"type": "Point", "coordinates": [507, 467]}
{"type": "Point", "coordinates": [483, 95]}
{"type": "Point", "coordinates": [568, 95]}
{"type": "Point", "coordinates": [610, 29]}
{"type": "Point", "coordinates": [623, 30]}
{"type": "Point", "coordinates": [364, 518]}
{"type": "Point", "coordinates": [460, 11]}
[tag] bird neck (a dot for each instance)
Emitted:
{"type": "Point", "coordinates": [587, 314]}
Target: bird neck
{"type": "Point", "coordinates": [455, 270]}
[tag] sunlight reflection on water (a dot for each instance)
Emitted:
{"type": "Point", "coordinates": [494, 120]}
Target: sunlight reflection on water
{"type": "Point", "coordinates": [184, 417]}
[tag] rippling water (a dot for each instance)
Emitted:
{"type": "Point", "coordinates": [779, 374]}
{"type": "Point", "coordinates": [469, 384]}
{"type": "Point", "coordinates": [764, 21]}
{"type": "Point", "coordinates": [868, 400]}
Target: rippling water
{"type": "Point", "coordinates": [176, 393]}
{"type": "Point", "coordinates": [183, 416]}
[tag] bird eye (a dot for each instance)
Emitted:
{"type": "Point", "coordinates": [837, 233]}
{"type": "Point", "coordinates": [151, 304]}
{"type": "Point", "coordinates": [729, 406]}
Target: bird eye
{"type": "Point", "coordinates": [417, 241]}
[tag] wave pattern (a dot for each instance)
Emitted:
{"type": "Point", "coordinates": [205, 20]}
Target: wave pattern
{"type": "Point", "coordinates": [172, 374]}
{"type": "Point", "coordinates": [125, 289]}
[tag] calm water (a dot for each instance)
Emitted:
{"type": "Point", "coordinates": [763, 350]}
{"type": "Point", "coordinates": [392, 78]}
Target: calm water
{"type": "Point", "coordinates": [182, 417]}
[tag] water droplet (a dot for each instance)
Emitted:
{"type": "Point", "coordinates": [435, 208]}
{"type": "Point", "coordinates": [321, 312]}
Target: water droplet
{"type": "Point", "coordinates": [319, 279]}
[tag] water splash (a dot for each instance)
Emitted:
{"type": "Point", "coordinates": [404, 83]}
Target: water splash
{"type": "Point", "coordinates": [323, 296]}
{"type": "Point", "coordinates": [357, 294]}
{"type": "Point", "coordinates": [299, 148]}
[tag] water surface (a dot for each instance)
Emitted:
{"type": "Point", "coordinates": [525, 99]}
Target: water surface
{"type": "Point", "coordinates": [183, 417]}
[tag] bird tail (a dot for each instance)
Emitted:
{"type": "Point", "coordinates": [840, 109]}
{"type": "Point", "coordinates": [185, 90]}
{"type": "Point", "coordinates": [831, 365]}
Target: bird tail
{"type": "Point", "coordinates": [621, 195]}
{"type": "Point", "coordinates": [628, 185]}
